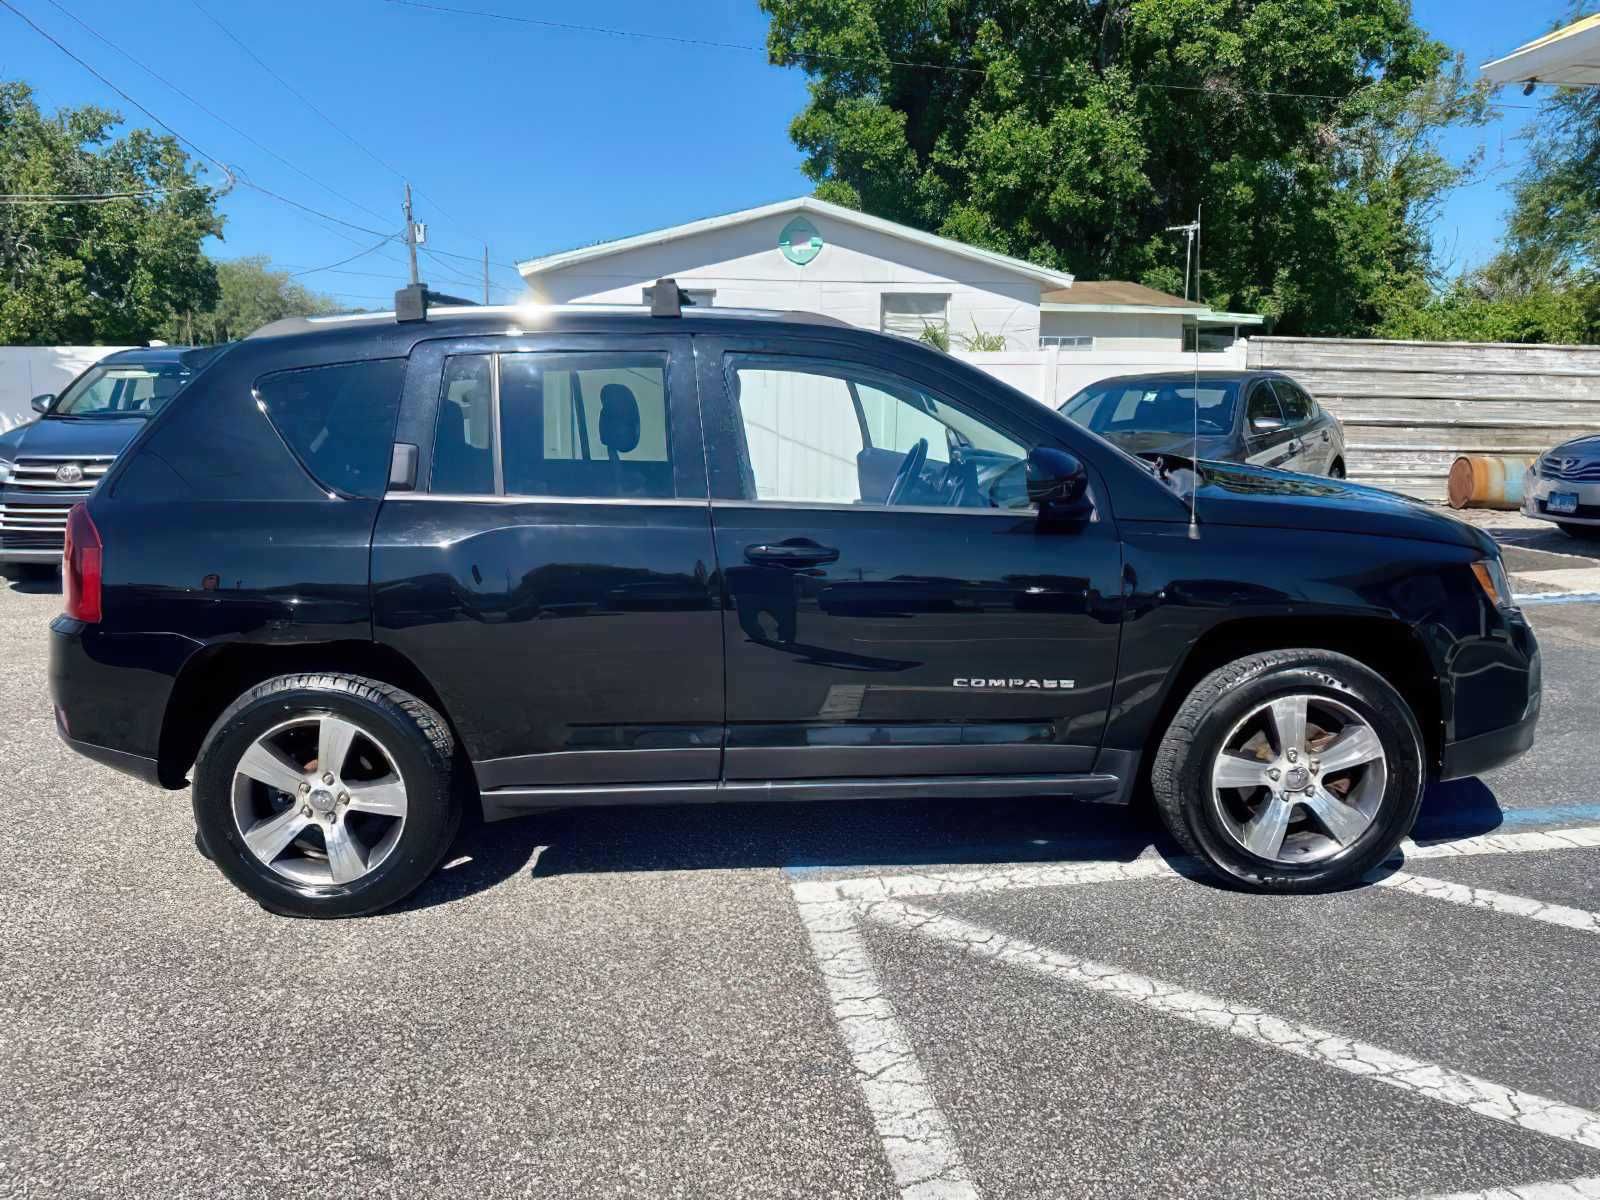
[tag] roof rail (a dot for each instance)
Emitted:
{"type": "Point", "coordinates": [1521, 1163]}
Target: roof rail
{"type": "Point", "coordinates": [411, 303]}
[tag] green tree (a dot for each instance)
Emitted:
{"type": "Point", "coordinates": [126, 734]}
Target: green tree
{"type": "Point", "coordinates": [89, 273]}
{"type": "Point", "coordinates": [1073, 132]}
{"type": "Point", "coordinates": [250, 294]}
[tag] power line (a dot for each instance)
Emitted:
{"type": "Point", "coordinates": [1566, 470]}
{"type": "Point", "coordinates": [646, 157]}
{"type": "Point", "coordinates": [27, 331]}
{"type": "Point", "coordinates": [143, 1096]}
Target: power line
{"type": "Point", "coordinates": [342, 261]}
{"type": "Point", "coordinates": [215, 116]}
{"type": "Point", "coordinates": [304, 99]}
{"type": "Point", "coordinates": [49, 37]}
{"type": "Point", "coordinates": [676, 39]}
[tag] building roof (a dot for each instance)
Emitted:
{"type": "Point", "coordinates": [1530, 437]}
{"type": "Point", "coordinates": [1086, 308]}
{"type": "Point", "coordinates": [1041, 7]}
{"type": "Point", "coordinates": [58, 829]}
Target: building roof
{"type": "Point", "coordinates": [800, 204]}
{"type": "Point", "coordinates": [1100, 292]}
{"type": "Point", "coordinates": [1569, 56]}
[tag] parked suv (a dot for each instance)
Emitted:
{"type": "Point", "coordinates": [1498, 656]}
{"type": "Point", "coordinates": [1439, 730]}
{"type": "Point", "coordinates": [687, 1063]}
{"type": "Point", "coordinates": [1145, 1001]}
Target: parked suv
{"type": "Point", "coordinates": [1258, 417]}
{"type": "Point", "coordinates": [49, 465]}
{"type": "Point", "coordinates": [365, 571]}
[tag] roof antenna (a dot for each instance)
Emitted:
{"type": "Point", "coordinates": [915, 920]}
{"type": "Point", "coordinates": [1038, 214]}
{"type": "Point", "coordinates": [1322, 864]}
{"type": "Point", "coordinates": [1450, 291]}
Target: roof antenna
{"type": "Point", "coordinates": [1191, 251]}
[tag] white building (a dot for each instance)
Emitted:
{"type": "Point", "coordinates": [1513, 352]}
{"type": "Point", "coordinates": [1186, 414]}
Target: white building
{"type": "Point", "coordinates": [807, 254]}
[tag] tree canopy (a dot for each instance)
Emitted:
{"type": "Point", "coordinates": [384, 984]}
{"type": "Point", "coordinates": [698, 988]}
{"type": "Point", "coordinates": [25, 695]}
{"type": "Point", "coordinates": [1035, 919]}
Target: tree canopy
{"type": "Point", "coordinates": [111, 271]}
{"type": "Point", "coordinates": [249, 295]}
{"type": "Point", "coordinates": [1072, 132]}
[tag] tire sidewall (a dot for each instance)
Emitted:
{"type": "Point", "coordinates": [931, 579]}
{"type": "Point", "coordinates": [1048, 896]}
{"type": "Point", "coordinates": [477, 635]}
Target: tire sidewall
{"type": "Point", "coordinates": [425, 772]}
{"type": "Point", "coordinates": [1318, 675]}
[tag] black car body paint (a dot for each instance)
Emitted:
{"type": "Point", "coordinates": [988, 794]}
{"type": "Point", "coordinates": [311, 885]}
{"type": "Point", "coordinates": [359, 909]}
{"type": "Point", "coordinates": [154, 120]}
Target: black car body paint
{"type": "Point", "coordinates": [695, 642]}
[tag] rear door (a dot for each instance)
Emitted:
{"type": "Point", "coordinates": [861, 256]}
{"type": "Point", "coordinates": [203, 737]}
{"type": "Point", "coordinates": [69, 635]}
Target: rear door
{"type": "Point", "coordinates": [884, 618]}
{"type": "Point", "coordinates": [1269, 442]}
{"type": "Point", "coordinates": [552, 574]}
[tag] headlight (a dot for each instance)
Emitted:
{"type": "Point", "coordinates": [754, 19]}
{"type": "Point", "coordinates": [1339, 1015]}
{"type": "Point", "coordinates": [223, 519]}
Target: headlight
{"type": "Point", "coordinates": [1491, 576]}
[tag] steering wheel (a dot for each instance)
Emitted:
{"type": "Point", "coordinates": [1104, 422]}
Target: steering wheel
{"type": "Point", "coordinates": [910, 468]}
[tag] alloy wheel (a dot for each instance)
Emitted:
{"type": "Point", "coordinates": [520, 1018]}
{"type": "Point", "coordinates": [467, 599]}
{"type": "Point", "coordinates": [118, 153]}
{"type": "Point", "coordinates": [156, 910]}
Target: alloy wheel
{"type": "Point", "coordinates": [1299, 780]}
{"type": "Point", "coordinates": [319, 800]}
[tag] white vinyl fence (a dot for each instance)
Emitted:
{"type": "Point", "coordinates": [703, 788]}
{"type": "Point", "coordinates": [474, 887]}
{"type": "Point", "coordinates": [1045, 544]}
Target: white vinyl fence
{"type": "Point", "coordinates": [26, 371]}
{"type": "Point", "coordinates": [1054, 374]}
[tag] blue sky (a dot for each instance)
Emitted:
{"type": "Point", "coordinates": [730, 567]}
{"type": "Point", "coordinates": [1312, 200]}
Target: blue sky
{"type": "Point", "coordinates": [529, 138]}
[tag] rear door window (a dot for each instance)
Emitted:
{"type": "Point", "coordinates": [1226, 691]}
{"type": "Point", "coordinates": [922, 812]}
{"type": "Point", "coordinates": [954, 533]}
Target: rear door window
{"type": "Point", "coordinates": [338, 420]}
{"type": "Point", "coordinates": [532, 423]}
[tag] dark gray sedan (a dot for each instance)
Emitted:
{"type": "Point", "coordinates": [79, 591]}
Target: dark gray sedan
{"type": "Point", "coordinates": [1257, 417]}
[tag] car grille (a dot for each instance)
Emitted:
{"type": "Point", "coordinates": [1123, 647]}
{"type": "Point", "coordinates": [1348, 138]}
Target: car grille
{"type": "Point", "coordinates": [1570, 467]}
{"type": "Point", "coordinates": [44, 474]}
{"type": "Point", "coordinates": [33, 526]}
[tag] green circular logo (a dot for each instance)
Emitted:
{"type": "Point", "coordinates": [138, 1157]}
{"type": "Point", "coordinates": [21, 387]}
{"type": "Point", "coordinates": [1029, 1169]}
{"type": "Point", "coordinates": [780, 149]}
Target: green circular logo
{"type": "Point", "coordinates": [800, 241]}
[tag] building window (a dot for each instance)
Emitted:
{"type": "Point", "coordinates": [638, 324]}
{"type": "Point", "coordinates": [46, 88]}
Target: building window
{"type": "Point", "coordinates": [1066, 342]}
{"type": "Point", "coordinates": [913, 314]}
{"type": "Point", "coordinates": [699, 297]}
{"type": "Point", "coordinates": [1212, 338]}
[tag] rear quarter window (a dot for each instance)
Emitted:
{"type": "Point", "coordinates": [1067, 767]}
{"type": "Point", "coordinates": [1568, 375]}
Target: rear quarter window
{"type": "Point", "coordinates": [338, 420]}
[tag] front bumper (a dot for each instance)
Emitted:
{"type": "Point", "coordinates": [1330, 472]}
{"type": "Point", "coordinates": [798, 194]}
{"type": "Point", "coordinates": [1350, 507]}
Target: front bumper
{"type": "Point", "coordinates": [1496, 703]}
{"type": "Point", "coordinates": [1536, 492]}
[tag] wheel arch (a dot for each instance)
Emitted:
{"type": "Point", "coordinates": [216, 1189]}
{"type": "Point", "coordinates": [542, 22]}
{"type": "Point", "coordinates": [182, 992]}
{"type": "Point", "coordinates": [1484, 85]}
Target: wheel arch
{"type": "Point", "coordinates": [1387, 646]}
{"type": "Point", "coordinates": [217, 675]}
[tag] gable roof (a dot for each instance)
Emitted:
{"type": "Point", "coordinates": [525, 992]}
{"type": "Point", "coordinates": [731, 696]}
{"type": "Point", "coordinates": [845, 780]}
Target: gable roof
{"type": "Point", "coordinates": [800, 204]}
{"type": "Point", "coordinates": [1567, 56]}
{"type": "Point", "coordinates": [1100, 292]}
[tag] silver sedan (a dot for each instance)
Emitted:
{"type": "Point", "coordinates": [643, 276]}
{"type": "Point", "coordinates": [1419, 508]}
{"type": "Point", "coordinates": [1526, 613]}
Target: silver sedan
{"type": "Point", "coordinates": [1563, 486]}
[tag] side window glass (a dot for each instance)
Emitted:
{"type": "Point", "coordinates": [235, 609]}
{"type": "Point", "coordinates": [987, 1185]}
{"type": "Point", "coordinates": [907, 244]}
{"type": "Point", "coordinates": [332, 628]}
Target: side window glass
{"type": "Point", "coordinates": [1296, 404]}
{"type": "Point", "coordinates": [834, 434]}
{"type": "Point", "coordinates": [590, 425]}
{"type": "Point", "coordinates": [339, 420]}
{"type": "Point", "coordinates": [1262, 412]}
{"type": "Point", "coordinates": [463, 436]}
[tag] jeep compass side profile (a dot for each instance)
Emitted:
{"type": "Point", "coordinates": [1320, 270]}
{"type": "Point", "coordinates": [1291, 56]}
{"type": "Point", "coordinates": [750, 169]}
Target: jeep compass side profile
{"type": "Point", "coordinates": [365, 571]}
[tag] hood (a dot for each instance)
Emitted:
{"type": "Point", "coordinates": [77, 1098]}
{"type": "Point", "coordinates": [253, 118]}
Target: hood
{"type": "Point", "coordinates": [1145, 441]}
{"type": "Point", "coordinates": [1236, 494]}
{"type": "Point", "coordinates": [1589, 443]}
{"type": "Point", "coordinates": [59, 436]}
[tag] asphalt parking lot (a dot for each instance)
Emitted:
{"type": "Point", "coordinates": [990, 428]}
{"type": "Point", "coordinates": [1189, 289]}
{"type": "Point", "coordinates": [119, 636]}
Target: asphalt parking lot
{"type": "Point", "coordinates": [903, 999]}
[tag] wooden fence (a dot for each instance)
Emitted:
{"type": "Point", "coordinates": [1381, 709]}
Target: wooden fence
{"type": "Point", "coordinates": [1409, 408]}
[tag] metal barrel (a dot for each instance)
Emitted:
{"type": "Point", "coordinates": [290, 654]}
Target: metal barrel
{"type": "Point", "coordinates": [1487, 481]}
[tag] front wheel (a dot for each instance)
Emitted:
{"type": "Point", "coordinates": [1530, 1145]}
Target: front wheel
{"type": "Point", "coordinates": [326, 795]}
{"type": "Point", "coordinates": [1291, 770]}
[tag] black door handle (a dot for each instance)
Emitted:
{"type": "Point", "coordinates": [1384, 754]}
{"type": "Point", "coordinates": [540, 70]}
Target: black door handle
{"type": "Point", "coordinates": [796, 552]}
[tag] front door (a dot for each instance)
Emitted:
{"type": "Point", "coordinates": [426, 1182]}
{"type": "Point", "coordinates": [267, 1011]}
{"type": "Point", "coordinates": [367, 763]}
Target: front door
{"type": "Point", "coordinates": [891, 605]}
{"type": "Point", "coordinates": [1269, 442]}
{"type": "Point", "coordinates": [553, 574]}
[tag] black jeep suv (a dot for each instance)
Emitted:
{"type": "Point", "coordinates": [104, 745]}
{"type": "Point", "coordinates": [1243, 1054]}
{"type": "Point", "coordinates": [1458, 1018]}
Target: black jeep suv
{"type": "Point", "coordinates": [365, 571]}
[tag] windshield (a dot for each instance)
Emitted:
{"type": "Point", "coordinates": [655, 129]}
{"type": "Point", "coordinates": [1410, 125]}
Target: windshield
{"type": "Point", "coordinates": [1154, 406]}
{"type": "Point", "coordinates": [121, 390]}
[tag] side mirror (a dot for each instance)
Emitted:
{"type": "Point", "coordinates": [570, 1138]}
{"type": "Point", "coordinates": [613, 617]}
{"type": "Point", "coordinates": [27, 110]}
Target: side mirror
{"type": "Point", "coordinates": [1265, 424]}
{"type": "Point", "coordinates": [1058, 483]}
{"type": "Point", "coordinates": [42, 402]}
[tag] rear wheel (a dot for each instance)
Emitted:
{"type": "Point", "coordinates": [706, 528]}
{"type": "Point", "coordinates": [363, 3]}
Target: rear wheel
{"type": "Point", "coordinates": [1587, 533]}
{"type": "Point", "coordinates": [1292, 770]}
{"type": "Point", "coordinates": [326, 795]}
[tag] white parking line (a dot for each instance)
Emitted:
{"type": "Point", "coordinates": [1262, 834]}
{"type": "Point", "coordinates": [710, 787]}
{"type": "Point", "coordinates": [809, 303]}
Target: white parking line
{"type": "Point", "coordinates": [1482, 1096]}
{"type": "Point", "coordinates": [1500, 902]}
{"type": "Point", "coordinates": [1587, 1188]}
{"type": "Point", "coordinates": [917, 1137]}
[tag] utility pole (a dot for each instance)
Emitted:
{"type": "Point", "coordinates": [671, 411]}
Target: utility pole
{"type": "Point", "coordinates": [411, 236]}
{"type": "Point", "coordinates": [486, 274]}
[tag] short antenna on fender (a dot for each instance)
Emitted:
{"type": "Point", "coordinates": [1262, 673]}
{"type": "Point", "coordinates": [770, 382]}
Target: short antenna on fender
{"type": "Point", "coordinates": [1191, 253]}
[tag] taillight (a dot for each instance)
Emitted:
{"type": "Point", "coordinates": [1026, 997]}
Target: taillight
{"type": "Point", "coordinates": [80, 566]}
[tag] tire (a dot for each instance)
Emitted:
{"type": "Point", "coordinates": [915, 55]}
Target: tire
{"type": "Point", "coordinates": [398, 740]}
{"type": "Point", "coordinates": [1212, 823]}
{"type": "Point", "coordinates": [1584, 533]}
